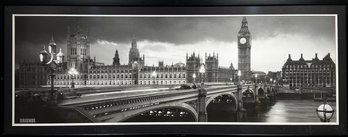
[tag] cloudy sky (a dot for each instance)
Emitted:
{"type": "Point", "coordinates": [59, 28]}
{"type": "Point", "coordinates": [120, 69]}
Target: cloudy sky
{"type": "Point", "coordinates": [170, 38]}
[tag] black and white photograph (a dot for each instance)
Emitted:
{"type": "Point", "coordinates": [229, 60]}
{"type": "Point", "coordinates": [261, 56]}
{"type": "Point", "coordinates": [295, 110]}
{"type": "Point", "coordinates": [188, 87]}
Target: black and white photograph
{"type": "Point", "coordinates": [264, 69]}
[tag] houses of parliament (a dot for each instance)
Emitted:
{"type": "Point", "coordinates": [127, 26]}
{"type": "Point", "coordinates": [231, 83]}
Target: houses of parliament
{"type": "Point", "coordinates": [93, 73]}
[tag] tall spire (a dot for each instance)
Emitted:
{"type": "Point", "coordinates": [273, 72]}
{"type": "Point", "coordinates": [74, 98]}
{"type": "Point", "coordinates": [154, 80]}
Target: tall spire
{"type": "Point", "coordinates": [244, 29]}
{"type": "Point", "coordinates": [134, 43]}
{"type": "Point", "coordinates": [52, 39]}
{"type": "Point", "coordinates": [116, 61]}
{"type": "Point", "coordinates": [244, 20]}
{"type": "Point", "coordinates": [53, 45]}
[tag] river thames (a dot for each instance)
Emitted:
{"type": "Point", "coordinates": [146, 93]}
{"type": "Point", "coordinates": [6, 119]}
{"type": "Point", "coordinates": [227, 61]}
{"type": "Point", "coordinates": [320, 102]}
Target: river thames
{"type": "Point", "coordinates": [287, 111]}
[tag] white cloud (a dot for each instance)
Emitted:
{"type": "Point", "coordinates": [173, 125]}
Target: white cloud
{"type": "Point", "coordinates": [106, 43]}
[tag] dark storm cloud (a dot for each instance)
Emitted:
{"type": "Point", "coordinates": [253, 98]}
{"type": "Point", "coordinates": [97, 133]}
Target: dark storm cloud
{"type": "Point", "coordinates": [33, 32]}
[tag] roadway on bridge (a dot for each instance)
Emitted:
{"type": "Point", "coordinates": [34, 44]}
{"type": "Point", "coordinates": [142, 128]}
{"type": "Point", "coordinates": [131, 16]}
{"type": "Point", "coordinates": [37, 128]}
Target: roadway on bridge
{"type": "Point", "coordinates": [117, 94]}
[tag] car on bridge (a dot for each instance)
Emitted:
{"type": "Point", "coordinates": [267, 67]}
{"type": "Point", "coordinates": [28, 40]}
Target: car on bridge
{"type": "Point", "coordinates": [182, 86]}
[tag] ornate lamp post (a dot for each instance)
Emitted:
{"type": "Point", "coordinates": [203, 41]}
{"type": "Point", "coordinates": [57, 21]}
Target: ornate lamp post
{"type": "Point", "coordinates": [239, 89]}
{"type": "Point", "coordinates": [202, 71]}
{"type": "Point", "coordinates": [53, 61]}
{"type": "Point", "coordinates": [194, 78]}
{"type": "Point", "coordinates": [256, 78]}
{"type": "Point", "coordinates": [154, 77]}
{"type": "Point", "coordinates": [73, 72]}
{"type": "Point", "coordinates": [239, 74]}
{"type": "Point", "coordinates": [202, 94]}
{"type": "Point", "coordinates": [239, 92]}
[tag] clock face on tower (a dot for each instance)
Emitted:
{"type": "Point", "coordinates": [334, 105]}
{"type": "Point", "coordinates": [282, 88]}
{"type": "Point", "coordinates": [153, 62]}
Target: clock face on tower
{"type": "Point", "coordinates": [242, 40]}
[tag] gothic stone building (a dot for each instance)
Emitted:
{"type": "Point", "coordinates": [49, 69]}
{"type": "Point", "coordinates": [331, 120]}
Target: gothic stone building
{"type": "Point", "coordinates": [213, 73]}
{"type": "Point", "coordinates": [309, 73]}
{"type": "Point", "coordinates": [93, 73]}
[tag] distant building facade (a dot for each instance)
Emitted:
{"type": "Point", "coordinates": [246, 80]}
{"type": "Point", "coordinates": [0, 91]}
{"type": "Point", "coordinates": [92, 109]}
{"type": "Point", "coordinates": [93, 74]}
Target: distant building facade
{"type": "Point", "coordinates": [227, 74]}
{"type": "Point", "coordinates": [309, 73]}
{"type": "Point", "coordinates": [31, 75]}
{"type": "Point", "coordinates": [258, 77]}
{"type": "Point", "coordinates": [274, 76]}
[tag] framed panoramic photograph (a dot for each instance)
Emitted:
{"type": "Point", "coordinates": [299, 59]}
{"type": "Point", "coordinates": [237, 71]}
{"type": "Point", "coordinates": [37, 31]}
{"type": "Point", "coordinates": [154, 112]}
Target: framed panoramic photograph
{"type": "Point", "coordinates": [130, 68]}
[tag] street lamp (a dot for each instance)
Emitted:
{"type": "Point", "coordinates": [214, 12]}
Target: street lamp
{"type": "Point", "coordinates": [154, 76]}
{"type": "Point", "coordinates": [202, 71]}
{"type": "Point", "coordinates": [256, 78]}
{"type": "Point", "coordinates": [73, 72]}
{"type": "Point", "coordinates": [271, 80]}
{"type": "Point", "coordinates": [194, 78]}
{"type": "Point", "coordinates": [53, 61]}
{"type": "Point", "coordinates": [239, 90]}
{"type": "Point", "coordinates": [239, 74]}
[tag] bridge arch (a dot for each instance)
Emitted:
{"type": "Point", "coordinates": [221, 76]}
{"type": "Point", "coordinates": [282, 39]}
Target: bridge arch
{"type": "Point", "coordinates": [248, 96]}
{"type": "Point", "coordinates": [261, 92]}
{"type": "Point", "coordinates": [128, 115]}
{"type": "Point", "coordinates": [215, 96]}
{"type": "Point", "coordinates": [222, 108]}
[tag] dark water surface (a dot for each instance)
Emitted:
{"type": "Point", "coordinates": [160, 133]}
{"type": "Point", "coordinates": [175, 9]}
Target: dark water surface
{"type": "Point", "coordinates": [291, 111]}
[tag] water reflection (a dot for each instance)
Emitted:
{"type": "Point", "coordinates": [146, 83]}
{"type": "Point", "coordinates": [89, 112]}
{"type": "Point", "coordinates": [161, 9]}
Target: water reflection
{"type": "Point", "coordinates": [290, 111]}
{"type": "Point", "coordinates": [277, 113]}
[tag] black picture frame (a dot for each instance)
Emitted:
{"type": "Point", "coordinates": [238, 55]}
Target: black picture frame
{"type": "Point", "coordinates": [173, 7]}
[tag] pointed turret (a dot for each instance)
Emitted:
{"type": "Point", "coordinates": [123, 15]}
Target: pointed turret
{"type": "Point", "coordinates": [316, 57]}
{"type": "Point", "coordinates": [116, 61]}
{"type": "Point", "coordinates": [327, 58]}
{"type": "Point", "coordinates": [289, 58]}
{"type": "Point", "coordinates": [231, 66]}
{"type": "Point", "coordinates": [301, 58]}
{"type": "Point", "coordinates": [52, 44]}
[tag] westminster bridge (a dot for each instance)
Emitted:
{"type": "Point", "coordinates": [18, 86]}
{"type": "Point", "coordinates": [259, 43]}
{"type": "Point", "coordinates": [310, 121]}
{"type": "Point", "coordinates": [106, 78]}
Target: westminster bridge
{"type": "Point", "coordinates": [165, 103]}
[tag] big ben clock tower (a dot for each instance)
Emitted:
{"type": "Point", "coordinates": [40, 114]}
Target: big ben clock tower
{"type": "Point", "coordinates": [244, 45]}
